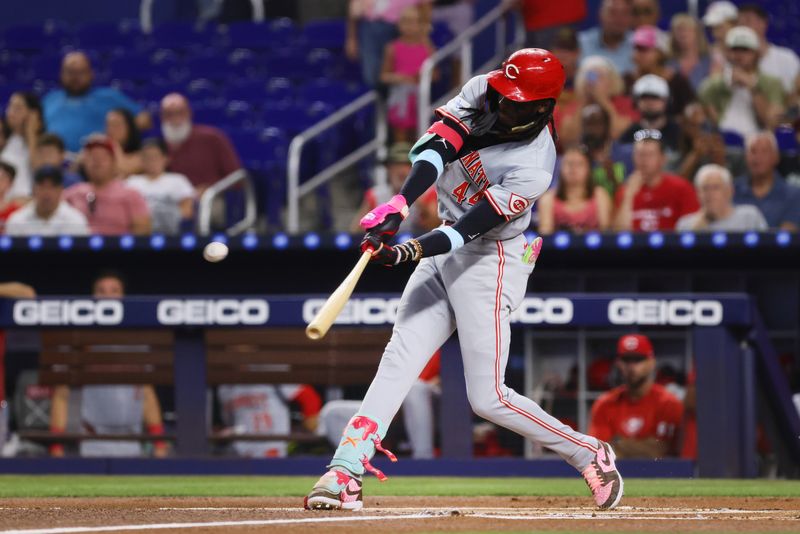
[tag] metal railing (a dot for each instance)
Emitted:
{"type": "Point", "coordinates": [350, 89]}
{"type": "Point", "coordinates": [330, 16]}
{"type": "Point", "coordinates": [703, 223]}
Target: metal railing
{"type": "Point", "coordinates": [295, 190]}
{"type": "Point", "coordinates": [207, 201]}
{"type": "Point", "coordinates": [146, 13]}
{"type": "Point", "coordinates": [463, 45]}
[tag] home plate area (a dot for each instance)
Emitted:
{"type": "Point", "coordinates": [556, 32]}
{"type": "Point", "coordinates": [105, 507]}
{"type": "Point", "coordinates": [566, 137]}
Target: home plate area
{"type": "Point", "coordinates": [399, 514]}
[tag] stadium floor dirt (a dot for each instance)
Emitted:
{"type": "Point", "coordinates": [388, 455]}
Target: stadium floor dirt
{"type": "Point", "coordinates": [402, 514]}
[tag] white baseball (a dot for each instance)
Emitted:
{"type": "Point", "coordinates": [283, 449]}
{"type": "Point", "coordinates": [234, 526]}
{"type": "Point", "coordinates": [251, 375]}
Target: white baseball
{"type": "Point", "coordinates": [215, 251]}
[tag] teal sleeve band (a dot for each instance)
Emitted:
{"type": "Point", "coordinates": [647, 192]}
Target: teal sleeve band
{"type": "Point", "coordinates": [456, 239]}
{"type": "Point", "coordinates": [432, 157]}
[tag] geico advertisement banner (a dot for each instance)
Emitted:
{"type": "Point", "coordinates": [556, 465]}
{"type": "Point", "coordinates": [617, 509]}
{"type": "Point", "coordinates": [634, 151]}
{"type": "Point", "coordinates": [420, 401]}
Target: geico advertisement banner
{"type": "Point", "coordinates": [368, 310]}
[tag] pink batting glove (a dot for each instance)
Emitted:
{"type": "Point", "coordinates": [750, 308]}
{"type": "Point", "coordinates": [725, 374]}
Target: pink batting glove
{"type": "Point", "coordinates": [376, 217]}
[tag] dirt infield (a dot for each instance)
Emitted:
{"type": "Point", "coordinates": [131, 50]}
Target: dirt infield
{"type": "Point", "coordinates": [401, 514]}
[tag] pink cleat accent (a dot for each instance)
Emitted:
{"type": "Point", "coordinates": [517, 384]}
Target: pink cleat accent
{"type": "Point", "coordinates": [603, 479]}
{"type": "Point", "coordinates": [336, 490]}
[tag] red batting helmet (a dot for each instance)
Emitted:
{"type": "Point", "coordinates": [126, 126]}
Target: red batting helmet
{"type": "Point", "coordinates": [529, 74]}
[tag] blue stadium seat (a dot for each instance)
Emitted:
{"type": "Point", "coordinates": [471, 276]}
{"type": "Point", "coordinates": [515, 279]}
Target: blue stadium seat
{"type": "Point", "coordinates": [203, 91]}
{"type": "Point", "coordinates": [787, 140]}
{"type": "Point", "coordinates": [331, 91]}
{"type": "Point", "coordinates": [35, 37]}
{"type": "Point", "coordinates": [109, 36]}
{"type": "Point", "coordinates": [732, 139]}
{"type": "Point", "coordinates": [287, 66]}
{"type": "Point", "coordinates": [247, 34]}
{"type": "Point", "coordinates": [136, 67]}
{"type": "Point", "coordinates": [253, 91]}
{"type": "Point", "coordinates": [46, 67]}
{"type": "Point", "coordinates": [325, 34]}
{"type": "Point", "coordinates": [182, 35]}
{"type": "Point", "coordinates": [244, 63]}
{"type": "Point", "coordinates": [283, 29]}
{"type": "Point", "coordinates": [322, 62]}
{"type": "Point", "coordinates": [280, 89]}
{"type": "Point", "coordinates": [441, 34]}
{"type": "Point", "coordinates": [211, 67]}
{"type": "Point", "coordinates": [166, 64]}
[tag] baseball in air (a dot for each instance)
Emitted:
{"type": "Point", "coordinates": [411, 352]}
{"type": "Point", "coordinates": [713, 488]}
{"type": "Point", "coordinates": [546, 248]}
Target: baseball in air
{"type": "Point", "coordinates": [215, 251]}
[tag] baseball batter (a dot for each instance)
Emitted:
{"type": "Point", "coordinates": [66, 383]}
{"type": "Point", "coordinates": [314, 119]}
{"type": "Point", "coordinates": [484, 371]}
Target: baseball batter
{"type": "Point", "coordinates": [491, 155]}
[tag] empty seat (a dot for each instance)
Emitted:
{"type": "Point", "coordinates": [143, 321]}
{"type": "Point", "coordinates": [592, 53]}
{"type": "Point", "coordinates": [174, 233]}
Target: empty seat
{"type": "Point", "coordinates": [325, 33]}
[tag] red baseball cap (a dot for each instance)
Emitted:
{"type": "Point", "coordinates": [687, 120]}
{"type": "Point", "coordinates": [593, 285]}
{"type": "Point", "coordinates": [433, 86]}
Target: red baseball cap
{"type": "Point", "coordinates": [99, 141]}
{"type": "Point", "coordinates": [635, 344]}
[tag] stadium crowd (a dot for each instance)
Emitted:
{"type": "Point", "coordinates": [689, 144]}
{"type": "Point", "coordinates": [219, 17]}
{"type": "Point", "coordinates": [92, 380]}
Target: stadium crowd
{"type": "Point", "coordinates": [689, 128]}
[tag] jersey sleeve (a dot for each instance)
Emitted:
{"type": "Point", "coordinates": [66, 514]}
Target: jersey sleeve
{"type": "Point", "coordinates": [670, 416]}
{"type": "Point", "coordinates": [461, 108]}
{"type": "Point", "coordinates": [516, 192]}
{"type": "Point", "coordinates": [600, 423]}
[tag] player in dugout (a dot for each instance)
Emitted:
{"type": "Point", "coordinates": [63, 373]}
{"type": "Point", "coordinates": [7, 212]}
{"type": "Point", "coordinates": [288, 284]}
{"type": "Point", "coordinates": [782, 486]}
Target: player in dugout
{"type": "Point", "coordinates": [491, 155]}
{"type": "Point", "coordinates": [640, 418]}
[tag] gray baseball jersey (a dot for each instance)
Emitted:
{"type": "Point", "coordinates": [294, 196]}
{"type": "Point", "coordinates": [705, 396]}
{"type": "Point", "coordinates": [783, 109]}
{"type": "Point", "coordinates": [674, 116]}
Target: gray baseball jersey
{"type": "Point", "coordinates": [510, 175]}
{"type": "Point", "coordinates": [258, 409]}
{"type": "Point", "coordinates": [112, 410]}
{"type": "Point", "coordinates": [474, 289]}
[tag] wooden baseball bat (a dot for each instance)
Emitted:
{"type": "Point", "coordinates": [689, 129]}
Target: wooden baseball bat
{"type": "Point", "coordinates": [327, 314]}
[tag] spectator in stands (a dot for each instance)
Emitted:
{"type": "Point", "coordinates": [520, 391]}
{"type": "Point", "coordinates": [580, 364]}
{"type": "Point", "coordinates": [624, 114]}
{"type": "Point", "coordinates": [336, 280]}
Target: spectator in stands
{"type": "Point", "coordinates": [742, 99]}
{"type": "Point", "coordinates": [640, 418]}
{"type": "Point", "coordinates": [50, 152]}
{"type": "Point", "coordinates": [714, 187]}
{"type": "Point", "coordinates": [597, 82]}
{"type": "Point", "coordinates": [370, 27]}
{"type": "Point", "coordinates": [719, 18]}
{"type": "Point", "coordinates": [610, 161]}
{"type": "Point", "coordinates": [576, 204]}
{"type": "Point", "coordinates": [565, 48]}
{"type": "Point", "coordinates": [8, 205]}
{"type": "Point", "coordinates": [121, 128]}
{"type": "Point", "coordinates": [79, 109]}
{"type": "Point", "coordinates": [645, 13]}
{"type": "Point", "coordinates": [650, 55]}
{"type": "Point", "coordinates": [651, 96]}
{"type": "Point", "coordinates": [612, 38]}
{"type": "Point", "coordinates": [111, 207]}
{"type": "Point", "coordinates": [264, 409]}
{"type": "Point", "coordinates": [47, 214]}
{"type": "Point", "coordinates": [700, 141]}
{"type": "Point", "coordinates": [545, 20]}
{"type": "Point", "coordinates": [651, 199]}
{"type": "Point", "coordinates": [170, 196]}
{"type": "Point", "coordinates": [764, 188]}
{"type": "Point", "coordinates": [202, 153]}
{"type": "Point", "coordinates": [457, 14]}
{"type": "Point", "coordinates": [776, 61]}
{"type": "Point", "coordinates": [422, 216]}
{"type": "Point", "coordinates": [8, 290]}
{"type": "Point", "coordinates": [402, 60]}
{"type": "Point", "coordinates": [117, 409]}
{"type": "Point", "coordinates": [24, 118]}
{"type": "Point", "coordinates": [689, 48]}
{"type": "Point", "coordinates": [5, 132]}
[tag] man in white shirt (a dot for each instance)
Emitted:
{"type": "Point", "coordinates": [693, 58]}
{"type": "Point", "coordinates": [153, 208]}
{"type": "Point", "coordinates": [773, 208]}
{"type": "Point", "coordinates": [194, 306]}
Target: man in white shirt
{"type": "Point", "coordinates": [777, 61]}
{"type": "Point", "coordinates": [46, 214]}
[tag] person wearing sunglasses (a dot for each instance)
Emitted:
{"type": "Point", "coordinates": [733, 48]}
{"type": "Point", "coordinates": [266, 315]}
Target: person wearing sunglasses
{"type": "Point", "coordinates": [641, 418]}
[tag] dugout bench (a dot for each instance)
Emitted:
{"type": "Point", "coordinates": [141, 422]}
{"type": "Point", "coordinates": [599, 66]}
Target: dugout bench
{"type": "Point", "coordinates": [78, 357]}
{"type": "Point", "coordinates": [221, 339]}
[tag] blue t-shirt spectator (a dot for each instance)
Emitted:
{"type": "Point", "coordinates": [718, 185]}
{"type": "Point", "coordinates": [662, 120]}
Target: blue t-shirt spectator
{"type": "Point", "coordinates": [75, 117]}
{"type": "Point", "coordinates": [592, 45]}
{"type": "Point", "coordinates": [781, 206]}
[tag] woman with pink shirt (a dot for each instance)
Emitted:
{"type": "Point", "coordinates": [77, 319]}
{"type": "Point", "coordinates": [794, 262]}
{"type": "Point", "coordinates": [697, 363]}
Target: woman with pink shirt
{"type": "Point", "coordinates": [402, 60]}
{"type": "Point", "coordinates": [576, 204]}
{"type": "Point", "coordinates": [370, 27]}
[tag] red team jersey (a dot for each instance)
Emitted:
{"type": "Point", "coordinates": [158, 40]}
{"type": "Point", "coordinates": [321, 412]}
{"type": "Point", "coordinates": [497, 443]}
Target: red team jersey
{"type": "Point", "coordinates": [660, 207]}
{"type": "Point", "coordinates": [656, 415]}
